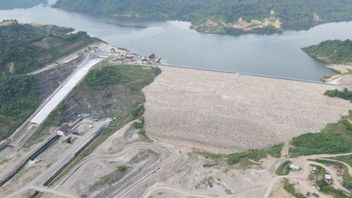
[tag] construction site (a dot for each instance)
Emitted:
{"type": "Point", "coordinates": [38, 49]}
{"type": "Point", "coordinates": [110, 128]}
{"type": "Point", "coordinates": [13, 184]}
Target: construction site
{"type": "Point", "coordinates": [174, 144]}
{"type": "Point", "coordinates": [225, 113]}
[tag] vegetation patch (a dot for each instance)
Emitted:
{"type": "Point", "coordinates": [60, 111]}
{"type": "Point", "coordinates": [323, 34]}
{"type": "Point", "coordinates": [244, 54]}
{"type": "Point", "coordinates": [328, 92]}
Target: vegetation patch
{"type": "Point", "coordinates": [332, 52]}
{"type": "Point", "coordinates": [275, 151]}
{"type": "Point", "coordinates": [333, 192]}
{"type": "Point", "coordinates": [139, 124]}
{"type": "Point", "coordinates": [25, 48]}
{"type": "Point", "coordinates": [18, 100]}
{"type": "Point", "coordinates": [309, 13]}
{"type": "Point", "coordinates": [254, 154]}
{"type": "Point", "coordinates": [137, 111]}
{"type": "Point", "coordinates": [291, 189]}
{"type": "Point", "coordinates": [284, 168]}
{"type": "Point", "coordinates": [344, 158]}
{"type": "Point", "coordinates": [347, 179]}
{"type": "Point", "coordinates": [109, 179]}
{"type": "Point", "coordinates": [132, 77]}
{"type": "Point", "coordinates": [344, 94]}
{"type": "Point", "coordinates": [334, 138]}
{"type": "Point", "coordinates": [321, 183]}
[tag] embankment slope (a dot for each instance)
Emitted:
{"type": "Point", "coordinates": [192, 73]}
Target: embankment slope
{"type": "Point", "coordinates": [224, 113]}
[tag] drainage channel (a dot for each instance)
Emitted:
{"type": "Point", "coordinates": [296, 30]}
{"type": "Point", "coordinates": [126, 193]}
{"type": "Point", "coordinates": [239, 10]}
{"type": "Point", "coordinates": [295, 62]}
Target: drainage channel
{"type": "Point", "coordinates": [31, 158]}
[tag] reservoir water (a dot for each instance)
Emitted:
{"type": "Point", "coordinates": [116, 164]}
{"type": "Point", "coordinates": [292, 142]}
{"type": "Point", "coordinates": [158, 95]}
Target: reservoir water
{"type": "Point", "coordinates": [275, 55]}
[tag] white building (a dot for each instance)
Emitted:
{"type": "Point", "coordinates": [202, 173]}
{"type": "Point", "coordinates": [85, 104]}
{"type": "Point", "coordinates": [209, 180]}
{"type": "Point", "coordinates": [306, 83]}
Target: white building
{"type": "Point", "coordinates": [294, 167]}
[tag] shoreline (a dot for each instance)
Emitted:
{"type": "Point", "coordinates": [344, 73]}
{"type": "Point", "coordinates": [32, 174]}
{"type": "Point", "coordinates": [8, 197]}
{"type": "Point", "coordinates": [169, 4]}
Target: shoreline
{"type": "Point", "coordinates": [341, 70]}
{"type": "Point", "coordinates": [266, 30]}
{"type": "Point", "coordinates": [245, 74]}
{"type": "Point", "coordinates": [342, 76]}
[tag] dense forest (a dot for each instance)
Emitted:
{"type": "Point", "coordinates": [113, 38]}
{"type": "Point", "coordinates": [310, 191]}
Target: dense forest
{"type": "Point", "coordinates": [332, 52]}
{"type": "Point", "coordinates": [299, 14]}
{"type": "Point", "coordinates": [18, 99]}
{"type": "Point", "coordinates": [25, 47]}
{"type": "Point", "coordinates": [10, 4]}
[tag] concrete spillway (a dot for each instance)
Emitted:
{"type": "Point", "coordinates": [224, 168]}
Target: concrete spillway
{"type": "Point", "coordinates": [65, 89]}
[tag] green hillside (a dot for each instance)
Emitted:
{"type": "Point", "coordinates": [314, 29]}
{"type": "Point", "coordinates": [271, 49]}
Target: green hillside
{"type": "Point", "coordinates": [18, 99]}
{"type": "Point", "coordinates": [332, 52]}
{"type": "Point", "coordinates": [25, 47]}
{"type": "Point", "coordinates": [222, 16]}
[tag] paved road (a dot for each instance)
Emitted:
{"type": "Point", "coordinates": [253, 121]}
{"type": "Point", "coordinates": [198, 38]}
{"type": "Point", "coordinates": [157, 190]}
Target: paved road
{"type": "Point", "coordinates": [40, 189]}
{"type": "Point", "coordinates": [196, 193]}
{"type": "Point", "coordinates": [141, 180]}
{"type": "Point", "coordinates": [92, 158]}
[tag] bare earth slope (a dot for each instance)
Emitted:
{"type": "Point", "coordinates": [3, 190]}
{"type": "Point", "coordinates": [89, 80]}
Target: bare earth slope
{"type": "Point", "coordinates": [225, 113]}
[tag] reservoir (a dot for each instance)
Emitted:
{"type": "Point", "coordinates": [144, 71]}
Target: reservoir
{"type": "Point", "coordinates": [274, 55]}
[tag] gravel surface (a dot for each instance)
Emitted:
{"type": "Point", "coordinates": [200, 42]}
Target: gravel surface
{"type": "Point", "coordinates": [223, 113]}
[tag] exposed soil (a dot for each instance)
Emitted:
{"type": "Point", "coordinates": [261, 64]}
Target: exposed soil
{"type": "Point", "coordinates": [48, 81]}
{"type": "Point", "coordinates": [106, 102]}
{"type": "Point", "coordinates": [226, 113]}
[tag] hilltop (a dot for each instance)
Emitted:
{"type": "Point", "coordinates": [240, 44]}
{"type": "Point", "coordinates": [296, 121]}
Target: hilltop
{"type": "Point", "coordinates": [332, 52]}
{"type": "Point", "coordinates": [223, 17]}
{"type": "Point", "coordinates": [27, 47]}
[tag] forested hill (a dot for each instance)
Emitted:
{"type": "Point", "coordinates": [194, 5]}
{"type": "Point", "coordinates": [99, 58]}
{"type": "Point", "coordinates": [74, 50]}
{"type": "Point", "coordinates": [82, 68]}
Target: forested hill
{"type": "Point", "coordinates": [332, 52]}
{"type": "Point", "coordinates": [223, 16]}
{"type": "Point", "coordinates": [26, 47]}
{"type": "Point", "coordinates": [10, 4]}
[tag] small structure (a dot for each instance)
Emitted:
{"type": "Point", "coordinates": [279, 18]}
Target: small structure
{"type": "Point", "coordinates": [129, 56]}
{"type": "Point", "coordinates": [315, 195]}
{"type": "Point", "coordinates": [295, 167]}
{"type": "Point", "coordinates": [152, 56]}
{"type": "Point", "coordinates": [64, 129]}
{"type": "Point", "coordinates": [328, 179]}
{"type": "Point", "coordinates": [145, 61]}
{"type": "Point", "coordinates": [210, 184]}
{"type": "Point", "coordinates": [101, 128]}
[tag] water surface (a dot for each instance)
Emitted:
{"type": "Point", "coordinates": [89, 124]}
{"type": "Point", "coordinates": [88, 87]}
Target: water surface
{"type": "Point", "coordinates": [276, 55]}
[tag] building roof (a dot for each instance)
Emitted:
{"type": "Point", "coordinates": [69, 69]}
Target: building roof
{"type": "Point", "coordinates": [328, 176]}
{"type": "Point", "coordinates": [64, 128]}
{"type": "Point", "coordinates": [294, 167]}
